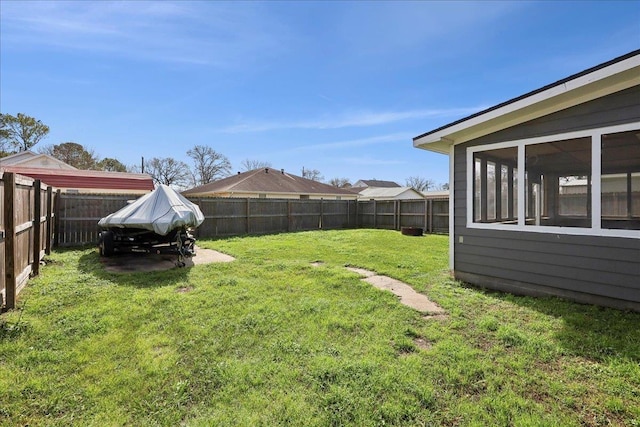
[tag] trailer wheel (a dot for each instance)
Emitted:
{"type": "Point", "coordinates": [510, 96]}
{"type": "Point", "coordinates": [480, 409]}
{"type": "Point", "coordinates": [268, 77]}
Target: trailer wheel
{"type": "Point", "coordinates": [106, 243]}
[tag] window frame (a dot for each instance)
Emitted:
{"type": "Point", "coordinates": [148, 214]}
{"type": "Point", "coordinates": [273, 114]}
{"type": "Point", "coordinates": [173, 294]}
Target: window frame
{"type": "Point", "coordinates": [490, 208]}
{"type": "Point", "coordinates": [596, 188]}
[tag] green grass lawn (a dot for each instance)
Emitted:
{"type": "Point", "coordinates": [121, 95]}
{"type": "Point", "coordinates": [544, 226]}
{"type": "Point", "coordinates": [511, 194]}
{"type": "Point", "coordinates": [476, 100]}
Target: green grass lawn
{"type": "Point", "coordinates": [271, 340]}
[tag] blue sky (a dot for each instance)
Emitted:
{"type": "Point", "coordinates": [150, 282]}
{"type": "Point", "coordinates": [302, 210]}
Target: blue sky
{"type": "Point", "coordinates": [341, 87]}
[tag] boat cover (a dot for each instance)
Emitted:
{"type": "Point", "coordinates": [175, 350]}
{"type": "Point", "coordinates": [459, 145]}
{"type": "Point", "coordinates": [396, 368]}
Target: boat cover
{"type": "Point", "coordinates": [160, 211]}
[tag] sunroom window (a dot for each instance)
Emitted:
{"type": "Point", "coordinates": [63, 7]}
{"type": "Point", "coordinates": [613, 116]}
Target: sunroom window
{"type": "Point", "coordinates": [558, 183]}
{"type": "Point", "coordinates": [585, 182]}
{"type": "Point", "coordinates": [495, 186]}
{"type": "Point", "coordinates": [620, 180]}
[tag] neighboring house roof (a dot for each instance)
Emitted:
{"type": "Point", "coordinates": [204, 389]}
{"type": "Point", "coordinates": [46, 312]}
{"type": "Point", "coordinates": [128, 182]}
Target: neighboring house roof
{"type": "Point", "coordinates": [33, 160]}
{"type": "Point", "coordinates": [436, 194]}
{"type": "Point", "coordinates": [355, 190]}
{"type": "Point", "coordinates": [610, 77]}
{"type": "Point", "coordinates": [267, 181]}
{"type": "Point", "coordinates": [86, 179]}
{"type": "Point", "coordinates": [390, 193]}
{"type": "Point", "coordinates": [375, 183]}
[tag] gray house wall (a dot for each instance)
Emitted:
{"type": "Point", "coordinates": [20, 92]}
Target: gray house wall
{"type": "Point", "coordinates": [590, 269]}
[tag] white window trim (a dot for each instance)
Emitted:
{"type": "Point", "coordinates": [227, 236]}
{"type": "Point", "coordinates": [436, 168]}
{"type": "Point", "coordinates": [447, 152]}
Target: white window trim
{"type": "Point", "coordinates": [596, 167]}
{"type": "Point", "coordinates": [452, 222]}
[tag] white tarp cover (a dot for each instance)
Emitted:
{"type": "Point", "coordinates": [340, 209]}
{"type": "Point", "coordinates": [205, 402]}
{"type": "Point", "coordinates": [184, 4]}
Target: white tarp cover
{"type": "Point", "coordinates": [160, 211]}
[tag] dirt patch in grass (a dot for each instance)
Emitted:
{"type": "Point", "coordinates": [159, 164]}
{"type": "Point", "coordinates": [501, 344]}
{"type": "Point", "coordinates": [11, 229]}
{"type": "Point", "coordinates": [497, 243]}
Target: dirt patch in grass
{"type": "Point", "coordinates": [147, 262]}
{"type": "Point", "coordinates": [422, 344]}
{"type": "Point", "coordinates": [435, 316]}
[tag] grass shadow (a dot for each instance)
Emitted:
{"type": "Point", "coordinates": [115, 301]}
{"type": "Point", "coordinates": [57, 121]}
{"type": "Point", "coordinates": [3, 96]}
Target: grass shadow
{"type": "Point", "coordinates": [593, 332]}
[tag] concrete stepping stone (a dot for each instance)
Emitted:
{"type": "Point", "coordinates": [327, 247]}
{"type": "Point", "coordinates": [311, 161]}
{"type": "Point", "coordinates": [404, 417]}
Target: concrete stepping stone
{"type": "Point", "coordinates": [408, 296]}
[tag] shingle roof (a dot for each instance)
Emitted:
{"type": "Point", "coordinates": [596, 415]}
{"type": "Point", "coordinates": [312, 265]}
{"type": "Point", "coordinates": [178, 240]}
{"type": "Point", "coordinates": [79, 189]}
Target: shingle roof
{"type": "Point", "coordinates": [267, 180]}
{"type": "Point", "coordinates": [379, 183]}
{"type": "Point", "coordinates": [388, 192]}
{"type": "Point", "coordinates": [86, 179]}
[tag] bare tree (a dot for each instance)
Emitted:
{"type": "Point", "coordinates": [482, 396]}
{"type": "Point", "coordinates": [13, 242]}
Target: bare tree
{"type": "Point", "coordinates": [137, 167]}
{"type": "Point", "coordinates": [209, 165]}
{"type": "Point", "coordinates": [134, 169]}
{"type": "Point", "coordinates": [340, 182]}
{"type": "Point", "coordinates": [249, 165]}
{"type": "Point", "coordinates": [73, 154]}
{"type": "Point", "coordinates": [419, 183]}
{"type": "Point", "coordinates": [21, 132]}
{"type": "Point", "coordinates": [312, 174]}
{"type": "Point", "coordinates": [168, 171]}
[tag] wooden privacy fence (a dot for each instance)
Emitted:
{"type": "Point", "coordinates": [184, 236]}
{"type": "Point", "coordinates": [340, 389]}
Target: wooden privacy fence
{"type": "Point", "coordinates": [614, 204]}
{"type": "Point", "coordinates": [432, 215]}
{"type": "Point", "coordinates": [78, 214]}
{"type": "Point", "coordinates": [25, 232]}
{"type": "Point", "coordinates": [232, 217]}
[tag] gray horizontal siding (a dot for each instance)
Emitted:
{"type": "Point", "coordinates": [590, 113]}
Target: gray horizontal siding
{"type": "Point", "coordinates": [551, 280]}
{"type": "Point", "coordinates": [565, 265]}
{"type": "Point", "coordinates": [564, 272]}
{"type": "Point", "coordinates": [615, 109]}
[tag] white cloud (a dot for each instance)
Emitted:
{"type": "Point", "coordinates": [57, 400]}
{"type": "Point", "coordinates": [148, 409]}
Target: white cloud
{"type": "Point", "coordinates": [361, 142]}
{"type": "Point", "coordinates": [369, 161]}
{"type": "Point", "coordinates": [211, 33]}
{"type": "Point", "coordinates": [357, 119]}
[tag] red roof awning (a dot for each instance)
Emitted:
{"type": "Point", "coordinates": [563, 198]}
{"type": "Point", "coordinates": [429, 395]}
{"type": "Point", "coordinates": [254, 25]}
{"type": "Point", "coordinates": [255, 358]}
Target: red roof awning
{"type": "Point", "coordinates": [86, 179]}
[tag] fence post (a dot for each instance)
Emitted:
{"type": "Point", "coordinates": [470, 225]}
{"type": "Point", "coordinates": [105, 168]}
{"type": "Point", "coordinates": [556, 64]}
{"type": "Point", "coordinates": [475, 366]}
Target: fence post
{"type": "Point", "coordinates": [395, 214]}
{"type": "Point", "coordinates": [375, 215]}
{"type": "Point", "coordinates": [10, 239]}
{"type": "Point", "coordinates": [430, 210]}
{"type": "Point", "coordinates": [288, 215]}
{"type": "Point", "coordinates": [321, 212]}
{"type": "Point", "coordinates": [37, 214]}
{"type": "Point", "coordinates": [348, 212]}
{"type": "Point", "coordinates": [196, 230]}
{"type": "Point", "coordinates": [248, 216]}
{"type": "Point", "coordinates": [47, 244]}
{"type": "Point", "coordinates": [358, 222]}
{"type": "Point", "coordinates": [56, 222]}
{"type": "Point", "coordinates": [426, 217]}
